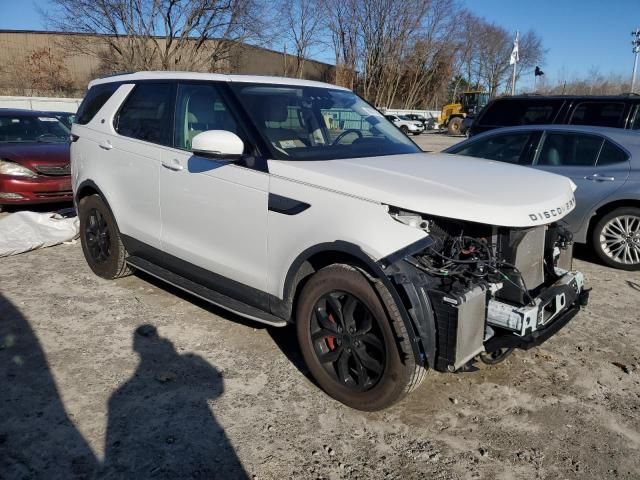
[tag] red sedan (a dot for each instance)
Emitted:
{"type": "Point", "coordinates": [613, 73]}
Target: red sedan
{"type": "Point", "coordinates": [34, 158]}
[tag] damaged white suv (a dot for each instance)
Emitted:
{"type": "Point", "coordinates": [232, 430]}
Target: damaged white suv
{"type": "Point", "coordinates": [290, 201]}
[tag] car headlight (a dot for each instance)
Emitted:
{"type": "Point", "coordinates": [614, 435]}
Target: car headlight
{"type": "Point", "coordinates": [14, 169]}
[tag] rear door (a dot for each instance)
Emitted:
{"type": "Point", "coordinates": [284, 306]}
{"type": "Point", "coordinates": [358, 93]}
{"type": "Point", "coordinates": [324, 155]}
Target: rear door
{"type": "Point", "coordinates": [596, 165]}
{"type": "Point", "coordinates": [132, 152]}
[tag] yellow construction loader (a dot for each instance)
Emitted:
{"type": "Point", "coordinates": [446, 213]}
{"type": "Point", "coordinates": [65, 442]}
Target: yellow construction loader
{"type": "Point", "coordinates": [453, 114]}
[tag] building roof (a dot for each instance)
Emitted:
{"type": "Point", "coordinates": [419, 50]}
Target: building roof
{"type": "Point", "coordinates": [173, 75]}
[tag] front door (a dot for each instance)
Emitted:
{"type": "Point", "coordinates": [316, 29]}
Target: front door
{"type": "Point", "coordinates": [214, 212]}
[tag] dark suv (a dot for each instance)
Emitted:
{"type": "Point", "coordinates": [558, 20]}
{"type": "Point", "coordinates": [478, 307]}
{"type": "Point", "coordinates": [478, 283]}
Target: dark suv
{"type": "Point", "coordinates": [621, 111]}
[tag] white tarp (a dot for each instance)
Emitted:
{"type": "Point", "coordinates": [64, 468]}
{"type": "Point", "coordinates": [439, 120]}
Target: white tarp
{"type": "Point", "coordinates": [24, 231]}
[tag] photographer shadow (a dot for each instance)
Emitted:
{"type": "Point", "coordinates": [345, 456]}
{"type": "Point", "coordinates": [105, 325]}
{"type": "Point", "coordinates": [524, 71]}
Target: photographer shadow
{"type": "Point", "coordinates": [160, 424]}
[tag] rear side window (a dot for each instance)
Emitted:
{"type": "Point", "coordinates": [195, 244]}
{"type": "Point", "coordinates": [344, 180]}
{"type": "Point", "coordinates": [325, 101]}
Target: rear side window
{"type": "Point", "coordinates": [147, 114]}
{"type": "Point", "coordinates": [94, 100]}
{"type": "Point", "coordinates": [611, 154]}
{"type": "Point", "coordinates": [506, 148]}
{"type": "Point", "coordinates": [636, 121]}
{"type": "Point", "coordinates": [569, 150]}
{"type": "Point", "coordinates": [601, 114]}
{"type": "Point", "coordinates": [509, 113]}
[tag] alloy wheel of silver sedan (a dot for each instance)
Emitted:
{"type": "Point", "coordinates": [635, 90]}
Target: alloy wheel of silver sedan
{"type": "Point", "coordinates": [618, 238]}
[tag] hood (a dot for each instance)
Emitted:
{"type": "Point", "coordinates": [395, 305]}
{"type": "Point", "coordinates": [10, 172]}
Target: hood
{"type": "Point", "coordinates": [31, 154]}
{"type": "Point", "coordinates": [444, 185]}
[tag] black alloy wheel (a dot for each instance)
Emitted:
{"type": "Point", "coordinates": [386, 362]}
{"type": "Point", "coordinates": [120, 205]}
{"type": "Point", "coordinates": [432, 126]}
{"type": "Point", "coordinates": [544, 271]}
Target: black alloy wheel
{"type": "Point", "coordinates": [354, 340]}
{"type": "Point", "coordinates": [97, 236]}
{"type": "Point", "coordinates": [100, 237]}
{"type": "Point", "coordinates": [348, 341]}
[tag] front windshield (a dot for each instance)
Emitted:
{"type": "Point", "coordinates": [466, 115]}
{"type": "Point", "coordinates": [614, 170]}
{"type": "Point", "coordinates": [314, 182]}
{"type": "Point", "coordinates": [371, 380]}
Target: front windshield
{"type": "Point", "coordinates": [32, 129]}
{"type": "Point", "coordinates": [311, 123]}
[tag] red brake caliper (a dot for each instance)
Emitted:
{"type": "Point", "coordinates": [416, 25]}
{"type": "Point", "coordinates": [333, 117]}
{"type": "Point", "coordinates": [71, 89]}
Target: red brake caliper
{"type": "Point", "coordinates": [331, 341]}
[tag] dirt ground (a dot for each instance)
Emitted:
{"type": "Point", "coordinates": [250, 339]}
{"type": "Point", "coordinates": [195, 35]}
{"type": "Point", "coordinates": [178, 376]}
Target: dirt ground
{"type": "Point", "coordinates": [133, 379]}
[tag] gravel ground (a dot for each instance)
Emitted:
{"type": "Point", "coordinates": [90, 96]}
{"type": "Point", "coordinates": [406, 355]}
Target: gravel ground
{"type": "Point", "coordinates": [133, 379]}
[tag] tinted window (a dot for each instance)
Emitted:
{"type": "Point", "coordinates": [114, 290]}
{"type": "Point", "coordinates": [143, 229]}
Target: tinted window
{"type": "Point", "coordinates": [569, 149]}
{"type": "Point", "coordinates": [200, 108]}
{"type": "Point", "coordinates": [611, 153]}
{"type": "Point", "coordinates": [147, 113]}
{"type": "Point", "coordinates": [503, 148]}
{"type": "Point", "coordinates": [93, 101]}
{"type": "Point", "coordinates": [602, 114]}
{"type": "Point", "coordinates": [636, 121]}
{"type": "Point", "coordinates": [509, 113]}
{"type": "Point", "coordinates": [317, 123]}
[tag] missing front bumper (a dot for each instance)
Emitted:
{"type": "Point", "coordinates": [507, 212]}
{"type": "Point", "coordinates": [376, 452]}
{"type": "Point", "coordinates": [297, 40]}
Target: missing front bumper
{"type": "Point", "coordinates": [533, 339]}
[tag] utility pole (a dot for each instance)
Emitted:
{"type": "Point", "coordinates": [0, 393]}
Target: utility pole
{"type": "Point", "coordinates": [636, 49]}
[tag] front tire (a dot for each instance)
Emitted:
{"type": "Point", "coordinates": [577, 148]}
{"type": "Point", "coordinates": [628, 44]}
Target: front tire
{"type": "Point", "coordinates": [100, 238]}
{"type": "Point", "coordinates": [353, 340]}
{"type": "Point", "coordinates": [404, 129]}
{"type": "Point", "coordinates": [453, 127]}
{"type": "Point", "coordinates": [616, 238]}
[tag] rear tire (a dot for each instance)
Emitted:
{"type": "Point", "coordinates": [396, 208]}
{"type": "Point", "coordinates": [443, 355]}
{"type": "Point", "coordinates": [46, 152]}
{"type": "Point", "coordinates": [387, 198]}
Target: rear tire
{"type": "Point", "coordinates": [616, 238]}
{"type": "Point", "coordinates": [353, 340]}
{"type": "Point", "coordinates": [453, 127]}
{"type": "Point", "coordinates": [100, 238]}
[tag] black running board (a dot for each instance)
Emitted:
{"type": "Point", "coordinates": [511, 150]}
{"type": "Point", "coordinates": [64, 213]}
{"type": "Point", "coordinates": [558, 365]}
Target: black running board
{"type": "Point", "coordinates": [205, 293]}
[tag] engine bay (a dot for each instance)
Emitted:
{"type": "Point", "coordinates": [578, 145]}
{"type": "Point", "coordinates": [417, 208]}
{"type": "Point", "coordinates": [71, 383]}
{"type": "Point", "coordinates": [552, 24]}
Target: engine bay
{"type": "Point", "coordinates": [491, 285]}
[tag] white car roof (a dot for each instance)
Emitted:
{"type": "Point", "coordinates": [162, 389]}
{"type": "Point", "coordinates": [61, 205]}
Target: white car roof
{"type": "Point", "coordinates": [218, 77]}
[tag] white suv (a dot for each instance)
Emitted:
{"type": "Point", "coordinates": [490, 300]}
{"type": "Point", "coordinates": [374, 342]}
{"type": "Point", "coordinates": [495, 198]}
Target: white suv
{"type": "Point", "coordinates": [290, 201]}
{"type": "Point", "coordinates": [406, 124]}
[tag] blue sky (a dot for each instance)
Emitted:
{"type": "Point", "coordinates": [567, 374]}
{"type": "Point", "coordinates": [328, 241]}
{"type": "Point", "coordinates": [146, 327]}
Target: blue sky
{"type": "Point", "coordinates": [579, 34]}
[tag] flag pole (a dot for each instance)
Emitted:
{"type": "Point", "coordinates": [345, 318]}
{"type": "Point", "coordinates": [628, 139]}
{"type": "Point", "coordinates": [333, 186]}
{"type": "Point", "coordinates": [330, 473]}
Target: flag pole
{"type": "Point", "coordinates": [515, 56]}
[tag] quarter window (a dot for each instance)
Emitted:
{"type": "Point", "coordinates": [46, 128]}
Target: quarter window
{"type": "Point", "coordinates": [147, 114]}
{"type": "Point", "coordinates": [602, 114]}
{"type": "Point", "coordinates": [199, 107]}
{"type": "Point", "coordinates": [611, 154]}
{"type": "Point", "coordinates": [569, 149]}
{"type": "Point", "coordinates": [507, 148]}
{"type": "Point", "coordinates": [94, 100]}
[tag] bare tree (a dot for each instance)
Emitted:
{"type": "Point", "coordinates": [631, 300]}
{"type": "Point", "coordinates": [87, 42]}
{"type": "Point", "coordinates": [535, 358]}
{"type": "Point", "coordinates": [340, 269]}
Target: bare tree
{"type": "Point", "coordinates": [301, 25]}
{"type": "Point", "coordinates": [164, 34]}
{"type": "Point", "coordinates": [343, 23]}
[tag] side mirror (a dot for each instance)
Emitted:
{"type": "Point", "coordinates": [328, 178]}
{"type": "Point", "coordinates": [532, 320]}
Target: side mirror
{"type": "Point", "coordinates": [218, 144]}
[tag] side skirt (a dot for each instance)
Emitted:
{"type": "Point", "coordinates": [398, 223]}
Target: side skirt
{"type": "Point", "coordinates": [205, 293]}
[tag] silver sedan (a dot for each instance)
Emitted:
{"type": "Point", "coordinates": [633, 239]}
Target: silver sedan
{"type": "Point", "coordinates": [604, 163]}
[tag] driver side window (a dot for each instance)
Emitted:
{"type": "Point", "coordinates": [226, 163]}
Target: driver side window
{"type": "Point", "coordinates": [508, 148]}
{"type": "Point", "coordinates": [199, 107]}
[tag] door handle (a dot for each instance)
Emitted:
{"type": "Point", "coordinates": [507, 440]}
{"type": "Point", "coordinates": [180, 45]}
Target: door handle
{"type": "Point", "coordinates": [106, 145]}
{"type": "Point", "coordinates": [596, 177]}
{"type": "Point", "coordinates": [173, 165]}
